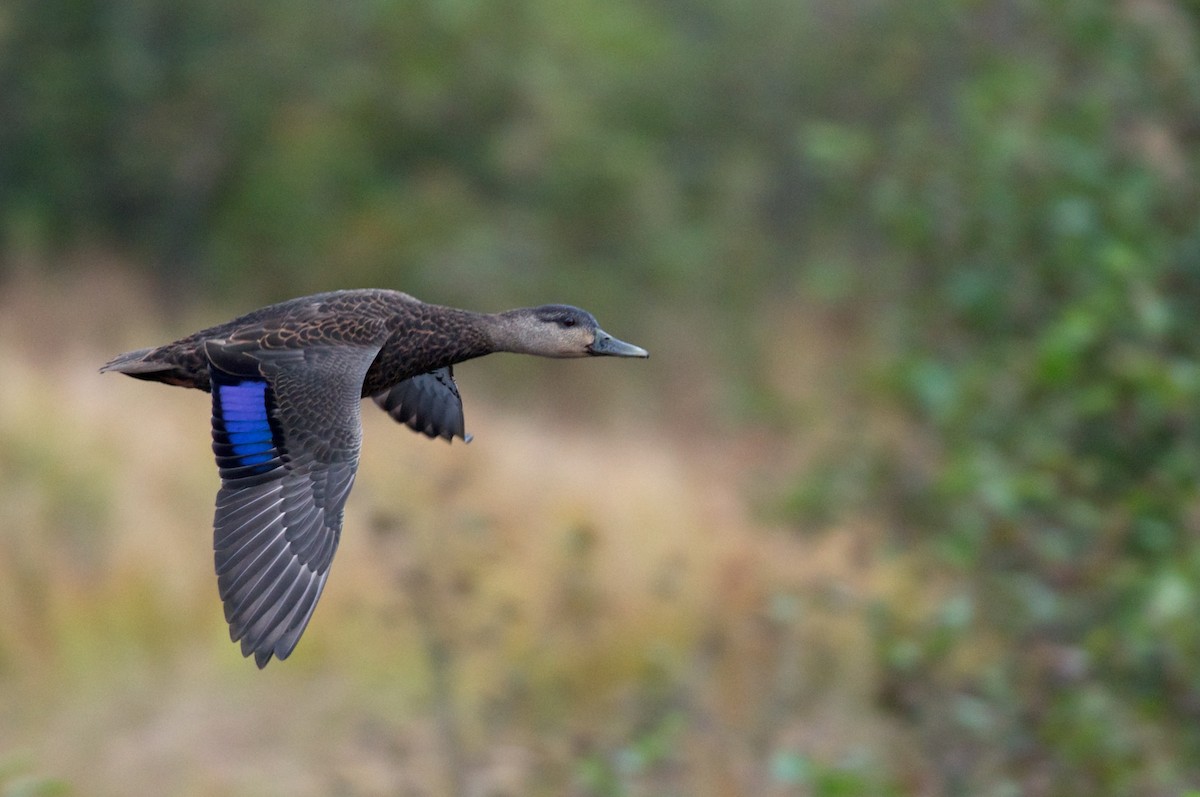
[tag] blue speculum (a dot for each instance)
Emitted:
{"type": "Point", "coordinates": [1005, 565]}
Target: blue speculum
{"type": "Point", "coordinates": [242, 409]}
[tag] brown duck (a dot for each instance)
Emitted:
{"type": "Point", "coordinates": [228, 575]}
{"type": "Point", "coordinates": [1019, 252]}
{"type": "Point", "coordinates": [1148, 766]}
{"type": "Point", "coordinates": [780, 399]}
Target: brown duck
{"type": "Point", "coordinates": [286, 382]}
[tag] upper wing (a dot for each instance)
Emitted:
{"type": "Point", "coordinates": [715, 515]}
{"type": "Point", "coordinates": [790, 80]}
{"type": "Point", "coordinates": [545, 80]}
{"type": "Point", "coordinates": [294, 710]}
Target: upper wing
{"type": "Point", "coordinates": [427, 403]}
{"type": "Point", "coordinates": [286, 433]}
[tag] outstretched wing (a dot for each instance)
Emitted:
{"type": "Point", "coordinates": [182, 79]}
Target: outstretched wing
{"type": "Point", "coordinates": [286, 433]}
{"type": "Point", "coordinates": [427, 403]}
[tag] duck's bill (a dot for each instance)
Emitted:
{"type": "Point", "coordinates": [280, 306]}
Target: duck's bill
{"type": "Point", "coordinates": [605, 345]}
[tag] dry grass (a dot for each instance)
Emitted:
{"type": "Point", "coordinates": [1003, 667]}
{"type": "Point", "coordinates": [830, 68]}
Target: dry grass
{"type": "Point", "coordinates": [560, 607]}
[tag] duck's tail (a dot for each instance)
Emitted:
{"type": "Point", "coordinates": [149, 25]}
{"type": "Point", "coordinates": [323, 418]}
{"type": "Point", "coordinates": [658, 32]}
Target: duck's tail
{"type": "Point", "coordinates": [151, 365]}
{"type": "Point", "coordinates": [132, 362]}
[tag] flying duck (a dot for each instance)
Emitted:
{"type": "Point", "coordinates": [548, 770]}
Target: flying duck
{"type": "Point", "coordinates": [286, 384]}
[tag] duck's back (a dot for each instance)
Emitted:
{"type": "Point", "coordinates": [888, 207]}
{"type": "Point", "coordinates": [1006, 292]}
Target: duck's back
{"type": "Point", "coordinates": [352, 314]}
{"type": "Point", "coordinates": [350, 317]}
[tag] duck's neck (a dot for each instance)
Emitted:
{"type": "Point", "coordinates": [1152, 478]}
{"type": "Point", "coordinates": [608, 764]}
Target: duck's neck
{"type": "Point", "coordinates": [510, 331]}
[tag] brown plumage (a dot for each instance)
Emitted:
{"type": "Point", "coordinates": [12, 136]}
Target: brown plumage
{"type": "Point", "coordinates": [286, 382]}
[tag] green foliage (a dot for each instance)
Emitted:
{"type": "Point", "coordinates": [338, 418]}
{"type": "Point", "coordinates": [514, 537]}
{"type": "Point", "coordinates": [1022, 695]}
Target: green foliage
{"type": "Point", "coordinates": [849, 779]}
{"type": "Point", "coordinates": [15, 780]}
{"type": "Point", "coordinates": [1048, 341]}
{"type": "Point", "coordinates": [280, 151]}
{"type": "Point", "coordinates": [615, 775]}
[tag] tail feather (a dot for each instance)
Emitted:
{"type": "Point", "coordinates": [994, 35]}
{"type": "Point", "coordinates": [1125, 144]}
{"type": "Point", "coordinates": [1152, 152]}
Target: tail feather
{"type": "Point", "coordinates": [158, 365]}
{"type": "Point", "coordinates": [133, 362]}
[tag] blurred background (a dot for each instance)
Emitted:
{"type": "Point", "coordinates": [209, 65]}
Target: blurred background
{"type": "Point", "coordinates": [904, 502]}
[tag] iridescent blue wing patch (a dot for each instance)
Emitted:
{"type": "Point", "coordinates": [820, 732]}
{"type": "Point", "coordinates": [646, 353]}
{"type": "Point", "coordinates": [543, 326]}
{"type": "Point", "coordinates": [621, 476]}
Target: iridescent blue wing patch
{"type": "Point", "coordinates": [244, 440]}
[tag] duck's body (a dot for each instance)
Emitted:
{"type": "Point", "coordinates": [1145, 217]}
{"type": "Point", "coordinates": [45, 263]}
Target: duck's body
{"type": "Point", "coordinates": [287, 382]}
{"type": "Point", "coordinates": [413, 337]}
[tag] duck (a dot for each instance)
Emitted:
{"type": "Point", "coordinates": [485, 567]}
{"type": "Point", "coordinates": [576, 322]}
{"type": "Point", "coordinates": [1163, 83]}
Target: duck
{"type": "Point", "coordinates": [287, 384]}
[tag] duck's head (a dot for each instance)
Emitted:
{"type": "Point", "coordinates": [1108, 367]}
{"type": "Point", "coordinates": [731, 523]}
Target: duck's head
{"type": "Point", "coordinates": [559, 330]}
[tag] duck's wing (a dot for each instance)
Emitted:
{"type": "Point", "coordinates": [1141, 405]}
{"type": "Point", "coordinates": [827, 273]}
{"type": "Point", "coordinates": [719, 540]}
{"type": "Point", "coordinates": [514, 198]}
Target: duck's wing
{"type": "Point", "coordinates": [427, 403]}
{"type": "Point", "coordinates": [286, 433]}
